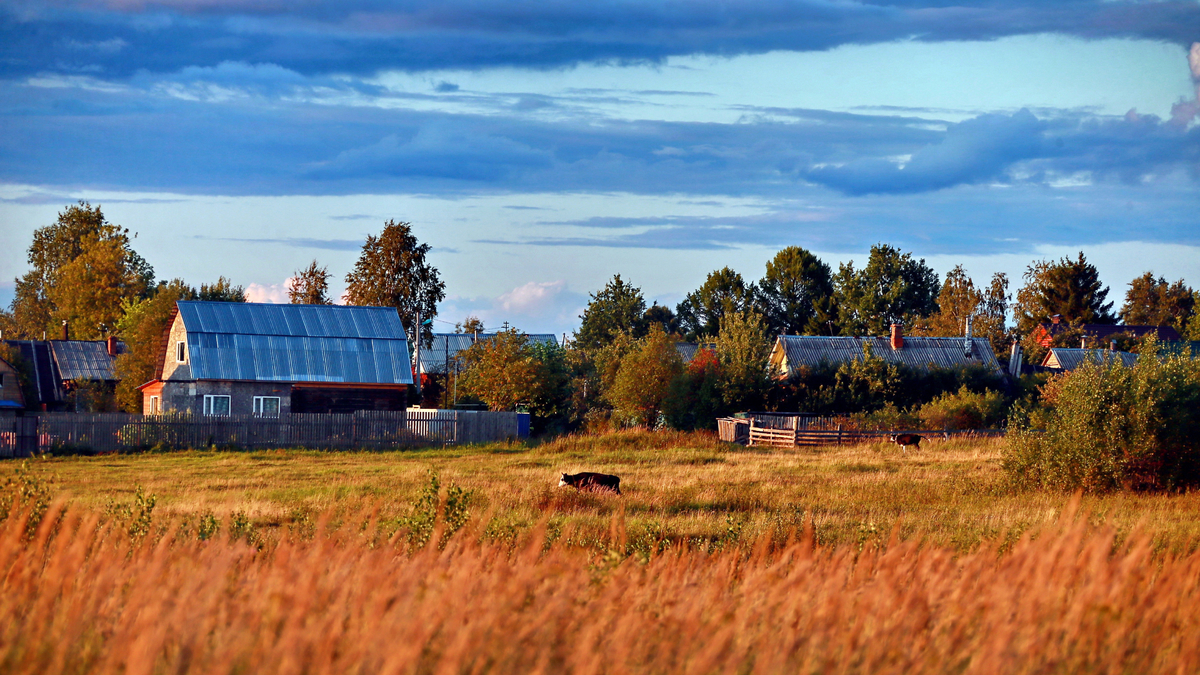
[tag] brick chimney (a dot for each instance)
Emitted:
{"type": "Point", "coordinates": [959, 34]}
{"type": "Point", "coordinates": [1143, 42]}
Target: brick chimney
{"type": "Point", "coordinates": [66, 330]}
{"type": "Point", "coordinates": [897, 336]}
{"type": "Point", "coordinates": [111, 344]}
{"type": "Point", "coordinates": [1057, 318]}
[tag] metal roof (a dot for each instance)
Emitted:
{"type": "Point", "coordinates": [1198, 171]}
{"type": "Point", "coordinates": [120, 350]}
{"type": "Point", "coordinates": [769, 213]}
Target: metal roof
{"type": "Point", "coordinates": [46, 381]}
{"type": "Point", "coordinates": [688, 350]}
{"type": "Point", "coordinates": [1181, 348]}
{"type": "Point", "coordinates": [1070, 359]}
{"type": "Point", "coordinates": [917, 352]}
{"type": "Point", "coordinates": [1103, 331]}
{"type": "Point", "coordinates": [296, 343]}
{"type": "Point", "coordinates": [446, 346]}
{"type": "Point", "coordinates": [84, 359]}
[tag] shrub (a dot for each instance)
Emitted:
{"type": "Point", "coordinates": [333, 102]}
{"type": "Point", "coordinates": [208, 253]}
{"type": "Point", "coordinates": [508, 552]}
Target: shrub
{"type": "Point", "coordinates": [964, 409]}
{"type": "Point", "coordinates": [1109, 427]}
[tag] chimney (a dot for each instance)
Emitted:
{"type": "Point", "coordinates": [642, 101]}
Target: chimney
{"type": "Point", "coordinates": [897, 336]}
{"type": "Point", "coordinates": [111, 343]}
{"type": "Point", "coordinates": [1057, 318]}
{"type": "Point", "coordinates": [66, 330]}
{"type": "Point", "coordinates": [1112, 346]}
{"type": "Point", "coordinates": [1083, 342]}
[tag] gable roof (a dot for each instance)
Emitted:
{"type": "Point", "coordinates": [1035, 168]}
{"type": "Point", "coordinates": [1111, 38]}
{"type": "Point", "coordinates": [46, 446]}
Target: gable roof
{"type": "Point", "coordinates": [446, 346]}
{"type": "Point", "coordinates": [1070, 359]}
{"type": "Point", "coordinates": [46, 380]}
{"type": "Point", "coordinates": [295, 343]}
{"type": "Point", "coordinates": [85, 359]}
{"type": "Point", "coordinates": [689, 350]}
{"type": "Point", "coordinates": [793, 351]}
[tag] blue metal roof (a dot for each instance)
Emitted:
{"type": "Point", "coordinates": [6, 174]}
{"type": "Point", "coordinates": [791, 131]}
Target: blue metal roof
{"type": "Point", "coordinates": [793, 351]}
{"type": "Point", "coordinates": [296, 343]}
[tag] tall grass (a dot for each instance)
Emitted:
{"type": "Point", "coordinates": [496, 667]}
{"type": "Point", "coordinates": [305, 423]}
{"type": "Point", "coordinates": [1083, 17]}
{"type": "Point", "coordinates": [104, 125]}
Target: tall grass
{"type": "Point", "coordinates": [83, 596]}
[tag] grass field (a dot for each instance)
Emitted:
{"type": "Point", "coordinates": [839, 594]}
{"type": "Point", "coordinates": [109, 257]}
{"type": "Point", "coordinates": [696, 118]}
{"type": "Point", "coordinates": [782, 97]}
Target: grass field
{"type": "Point", "coordinates": [678, 489]}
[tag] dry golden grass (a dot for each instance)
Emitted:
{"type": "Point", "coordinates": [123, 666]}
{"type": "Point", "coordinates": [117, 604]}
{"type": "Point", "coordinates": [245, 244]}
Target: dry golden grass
{"type": "Point", "coordinates": [84, 598]}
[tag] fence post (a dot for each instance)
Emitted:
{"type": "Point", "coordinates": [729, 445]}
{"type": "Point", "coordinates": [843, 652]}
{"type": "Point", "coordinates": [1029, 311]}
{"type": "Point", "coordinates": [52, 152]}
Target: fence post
{"type": "Point", "coordinates": [839, 438]}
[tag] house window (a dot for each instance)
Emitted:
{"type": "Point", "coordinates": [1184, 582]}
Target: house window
{"type": "Point", "coordinates": [154, 409]}
{"type": "Point", "coordinates": [181, 352]}
{"type": "Point", "coordinates": [266, 406]}
{"type": "Point", "coordinates": [216, 405]}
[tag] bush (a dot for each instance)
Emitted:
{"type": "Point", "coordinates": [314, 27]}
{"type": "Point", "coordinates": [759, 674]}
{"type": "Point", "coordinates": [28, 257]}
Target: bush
{"type": "Point", "coordinates": [1110, 427]}
{"type": "Point", "coordinates": [964, 409]}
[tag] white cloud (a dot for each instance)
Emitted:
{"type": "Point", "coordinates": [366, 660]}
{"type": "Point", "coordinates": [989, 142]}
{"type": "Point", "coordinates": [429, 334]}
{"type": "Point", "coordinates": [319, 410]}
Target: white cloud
{"type": "Point", "coordinates": [275, 293]}
{"type": "Point", "coordinates": [532, 298]}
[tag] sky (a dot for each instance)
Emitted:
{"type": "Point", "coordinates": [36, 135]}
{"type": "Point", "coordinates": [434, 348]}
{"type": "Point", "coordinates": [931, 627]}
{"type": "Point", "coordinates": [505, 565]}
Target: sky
{"type": "Point", "coordinates": [542, 147]}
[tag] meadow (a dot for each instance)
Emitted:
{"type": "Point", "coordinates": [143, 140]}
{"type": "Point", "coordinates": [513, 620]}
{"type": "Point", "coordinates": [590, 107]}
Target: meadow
{"type": "Point", "coordinates": [717, 559]}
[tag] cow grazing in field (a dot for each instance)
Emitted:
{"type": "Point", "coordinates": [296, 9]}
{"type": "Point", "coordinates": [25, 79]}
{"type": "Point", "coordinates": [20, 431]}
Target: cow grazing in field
{"type": "Point", "coordinates": [905, 440]}
{"type": "Point", "coordinates": [591, 482]}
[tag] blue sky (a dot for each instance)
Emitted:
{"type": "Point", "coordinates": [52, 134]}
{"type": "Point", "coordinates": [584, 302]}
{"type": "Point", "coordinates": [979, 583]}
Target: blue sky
{"type": "Point", "coordinates": [542, 147]}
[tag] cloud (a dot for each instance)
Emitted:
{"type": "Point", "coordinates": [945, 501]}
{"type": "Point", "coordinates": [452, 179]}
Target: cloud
{"type": "Point", "coordinates": [445, 87]}
{"type": "Point", "coordinates": [531, 298]}
{"type": "Point", "coordinates": [274, 293]}
{"type": "Point", "coordinates": [299, 242]}
{"type": "Point", "coordinates": [534, 307]}
{"type": "Point", "coordinates": [365, 36]}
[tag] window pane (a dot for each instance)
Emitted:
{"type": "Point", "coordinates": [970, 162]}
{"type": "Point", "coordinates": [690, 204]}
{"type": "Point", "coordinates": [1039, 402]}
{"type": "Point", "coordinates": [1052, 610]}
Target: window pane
{"type": "Point", "coordinates": [270, 406]}
{"type": "Point", "coordinates": [220, 405]}
{"type": "Point", "coordinates": [258, 405]}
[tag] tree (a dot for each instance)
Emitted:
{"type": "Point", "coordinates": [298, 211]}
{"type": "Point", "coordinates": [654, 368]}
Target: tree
{"type": "Point", "coordinates": [141, 327]}
{"type": "Point", "coordinates": [663, 316]}
{"type": "Point", "coordinates": [222, 290]}
{"type": "Point", "coordinates": [723, 292]}
{"type": "Point", "coordinates": [617, 308]}
{"type": "Point", "coordinates": [644, 378]}
{"type": "Point", "coordinates": [743, 347]}
{"type": "Point", "coordinates": [891, 288]}
{"type": "Point", "coordinates": [1070, 288]}
{"type": "Point", "coordinates": [471, 324]}
{"type": "Point", "coordinates": [392, 272]}
{"type": "Point", "coordinates": [959, 299]}
{"type": "Point", "coordinates": [110, 270]}
{"type": "Point", "coordinates": [310, 286]}
{"type": "Point", "coordinates": [794, 282]}
{"type": "Point", "coordinates": [1154, 302]}
{"type": "Point", "coordinates": [503, 372]}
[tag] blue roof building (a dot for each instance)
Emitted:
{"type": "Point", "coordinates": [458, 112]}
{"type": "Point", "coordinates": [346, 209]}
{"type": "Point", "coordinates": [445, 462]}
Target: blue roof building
{"type": "Point", "coordinates": [231, 358]}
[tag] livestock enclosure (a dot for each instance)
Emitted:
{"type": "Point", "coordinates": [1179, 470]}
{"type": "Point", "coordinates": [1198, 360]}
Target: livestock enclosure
{"type": "Point", "coordinates": [112, 432]}
{"type": "Point", "coordinates": [794, 431]}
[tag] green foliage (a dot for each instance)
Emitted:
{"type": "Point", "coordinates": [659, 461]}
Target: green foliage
{"type": "Point", "coordinates": [1154, 302]}
{"type": "Point", "coordinates": [142, 326]}
{"type": "Point", "coordinates": [694, 400]}
{"type": "Point", "coordinates": [25, 492]}
{"type": "Point", "coordinates": [1109, 427]}
{"type": "Point", "coordinates": [432, 509]}
{"type": "Point", "coordinates": [310, 286]}
{"type": "Point", "coordinates": [222, 290]}
{"type": "Point", "coordinates": [892, 287]}
{"type": "Point", "coordinates": [795, 281]}
{"type": "Point", "coordinates": [742, 349]}
{"type": "Point", "coordinates": [392, 271]}
{"type": "Point", "coordinates": [643, 380]}
{"type": "Point", "coordinates": [960, 299]}
{"type": "Point", "coordinates": [138, 516]}
{"type": "Point", "coordinates": [964, 409]}
{"type": "Point", "coordinates": [722, 293]}
{"type": "Point", "coordinates": [1068, 287]}
{"type": "Point", "coordinates": [618, 308]}
{"type": "Point", "coordinates": [505, 372]}
{"type": "Point", "coordinates": [208, 527]}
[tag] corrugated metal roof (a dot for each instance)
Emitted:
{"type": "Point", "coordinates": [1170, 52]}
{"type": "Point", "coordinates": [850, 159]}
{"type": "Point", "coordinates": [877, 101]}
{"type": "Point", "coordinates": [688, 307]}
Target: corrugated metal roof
{"type": "Point", "coordinates": [446, 347]}
{"type": "Point", "coordinates": [296, 343]}
{"type": "Point", "coordinates": [84, 359]}
{"type": "Point", "coordinates": [688, 350]}
{"type": "Point", "coordinates": [917, 352]}
{"type": "Point", "coordinates": [45, 373]}
{"type": "Point", "coordinates": [1070, 359]}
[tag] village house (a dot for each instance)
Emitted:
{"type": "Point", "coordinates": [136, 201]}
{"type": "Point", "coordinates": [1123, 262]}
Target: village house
{"type": "Point", "coordinates": [59, 367]}
{"type": "Point", "coordinates": [1098, 335]}
{"type": "Point", "coordinates": [233, 358]}
{"type": "Point", "coordinates": [1062, 359]}
{"type": "Point", "coordinates": [791, 353]}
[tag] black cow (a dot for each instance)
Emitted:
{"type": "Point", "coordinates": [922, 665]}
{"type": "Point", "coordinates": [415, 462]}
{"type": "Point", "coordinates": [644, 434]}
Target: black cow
{"type": "Point", "coordinates": [905, 440]}
{"type": "Point", "coordinates": [592, 482]}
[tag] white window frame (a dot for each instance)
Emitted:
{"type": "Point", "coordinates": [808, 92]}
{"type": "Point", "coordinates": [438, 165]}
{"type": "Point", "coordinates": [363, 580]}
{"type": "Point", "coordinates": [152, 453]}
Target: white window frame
{"type": "Point", "coordinates": [154, 405]}
{"type": "Point", "coordinates": [210, 405]}
{"type": "Point", "coordinates": [260, 405]}
{"type": "Point", "coordinates": [181, 352]}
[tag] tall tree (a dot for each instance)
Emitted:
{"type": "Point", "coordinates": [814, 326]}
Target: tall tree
{"type": "Point", "coordinates": [643, 380]}
{"type": "Point", "coordinates": [1154, 302]}
{"type": "Point", "coordinates": [143, 322]}
{"type": "Point", "coordinates": [310, 286]}
{"type": "Point", "coordinates": [787, 295]}
{"type": "Point", "coordinates": [723, 292]}
{"type": "Point", "coordinates": [87, 289]}
{"type": "Point", "coordinates": [663, 316]}
{"type": "Point", "coordinates": [960, 298]}
{"type": "Point", "coordinates": [1070, 288]}
{"type": "Point", "coordinates": [222, 290]}
{"type": "Point", "coordinates": [471, 324]}
{"type": "Point", "coordinates": [743, 346]}
{"type": "Point", "coordinates": [617, 308]}
{"type": "Point", "coordinates": [891, 287]}
{"type": "Point", "coordinates": [392, 272]}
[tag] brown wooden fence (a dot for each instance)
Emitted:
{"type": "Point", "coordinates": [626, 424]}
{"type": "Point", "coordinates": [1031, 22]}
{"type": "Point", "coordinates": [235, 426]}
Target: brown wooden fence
{"type": "Point", "coordinates": [110, 432]}
{"type": "Point", "coordinates": [797, 431]}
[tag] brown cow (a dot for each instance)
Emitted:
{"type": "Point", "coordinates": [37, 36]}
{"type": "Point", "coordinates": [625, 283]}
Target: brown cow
{"type": "Point", "coordinates": [905, 440]}
{"type": "Point", "coordinates": [591, 482]}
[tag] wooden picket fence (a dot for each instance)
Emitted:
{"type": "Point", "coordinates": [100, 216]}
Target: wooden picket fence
{"type": "Point", "coordinates": [112, 432]}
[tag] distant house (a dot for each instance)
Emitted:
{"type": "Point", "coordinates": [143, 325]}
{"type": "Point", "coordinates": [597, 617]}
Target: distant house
{"type": "Point", "coordinates": [1183, 347]}
{"type": "Point", "coordinates": [233, 358]}
{"type": "Point", "coordinates": [441, 355]}
{"type": "Point", "coordinates": [1099, 334]}
{"type": "Point", "coordinates": [794, 352]}
{"type": "Point", "coordinates": [689, 350]}
{"type": "Point", "coordinates": [59, 365]}
{"type": "Point", "coordinates": [11, 398]}
{"type": "Point", "coordinates": [1069, 359]}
